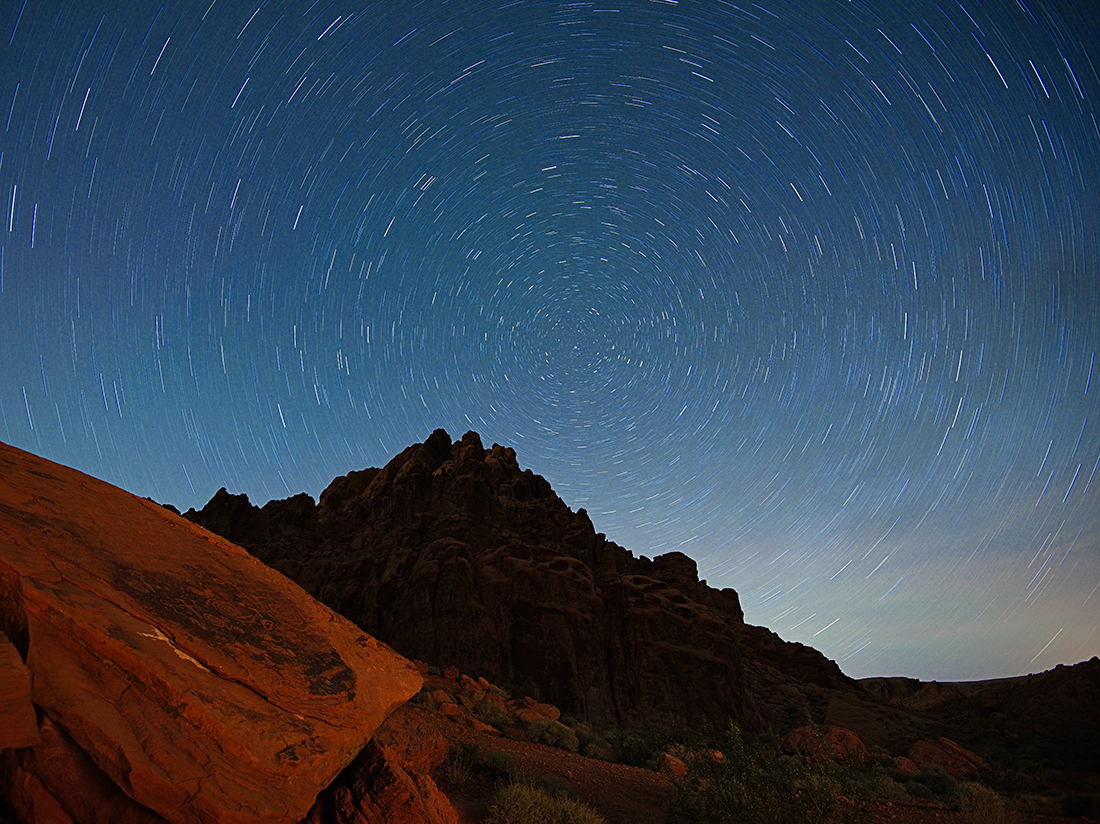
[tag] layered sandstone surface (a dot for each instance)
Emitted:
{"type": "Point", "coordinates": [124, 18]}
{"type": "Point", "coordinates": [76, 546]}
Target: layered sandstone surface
{"type": "Point", "coordinates": [172, 675]}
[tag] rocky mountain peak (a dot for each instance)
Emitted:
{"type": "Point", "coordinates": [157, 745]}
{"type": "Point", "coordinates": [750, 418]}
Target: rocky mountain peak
{"type": "Point", "coordinates": [455, 555]}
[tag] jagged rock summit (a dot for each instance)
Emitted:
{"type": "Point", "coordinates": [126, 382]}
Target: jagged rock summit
{"type": "Point", "coordinates": [152, 671]}
{"type": "Point", "coordinates": [455, 555]}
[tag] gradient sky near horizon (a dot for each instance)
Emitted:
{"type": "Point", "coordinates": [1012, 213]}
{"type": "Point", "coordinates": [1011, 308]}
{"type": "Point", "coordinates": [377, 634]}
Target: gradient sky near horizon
{"type": "Point", "coordinates": [807, 290]}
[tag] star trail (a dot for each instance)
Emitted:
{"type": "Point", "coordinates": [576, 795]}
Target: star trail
{"type": "Point", "coordinates": [807, 291]}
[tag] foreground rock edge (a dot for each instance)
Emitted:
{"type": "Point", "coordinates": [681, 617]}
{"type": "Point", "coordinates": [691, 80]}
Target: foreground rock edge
{"type": "Point", "coordinates": [204, 685]}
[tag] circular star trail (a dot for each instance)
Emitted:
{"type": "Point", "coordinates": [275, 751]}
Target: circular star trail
{"type": "Point", "coordinates": [807, 291]}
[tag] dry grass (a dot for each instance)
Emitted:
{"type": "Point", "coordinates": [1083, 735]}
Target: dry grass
{"type": "Point", "coordinates": [523, 804]}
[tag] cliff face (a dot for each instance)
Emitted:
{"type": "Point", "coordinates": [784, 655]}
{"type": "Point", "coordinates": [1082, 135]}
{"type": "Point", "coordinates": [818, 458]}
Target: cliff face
{"type": "Point", "coordinates": [454, 555]}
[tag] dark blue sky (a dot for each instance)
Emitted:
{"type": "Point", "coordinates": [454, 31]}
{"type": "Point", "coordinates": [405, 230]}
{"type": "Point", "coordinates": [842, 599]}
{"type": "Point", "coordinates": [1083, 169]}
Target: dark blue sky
{"type": "Point", "coordinates": [809, 291]}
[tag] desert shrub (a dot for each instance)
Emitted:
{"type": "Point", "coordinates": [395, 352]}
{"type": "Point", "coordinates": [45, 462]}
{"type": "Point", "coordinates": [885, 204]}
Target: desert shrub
{"type": "Point", "coordinates": [752, 785]}
{"type": "Point", "coordinates": [597, 749]}
{"type": "Point", "coordinates": [640, 748]}
{"type": "Point", "coordinates": [523, 804]}
{"type": "Point", "coordinates": [423, 699]}
{"type": "Point", "coordinates": [978, 804]}
{"type": "Point", "coordinates": [589, 741]}
{"type": "Point", "coordinates": [885, 788]}
{"type": "Point", "coordinates": [500, 766]}
{"type": "Point", "coordinates": [941, 784]}
{"type": "Point", "coordinates": [554, 733]}
{"type": "Point", "coordinates": [492, 714]}
{"type": "Point", "coordinates": [556, 786]}
{"type": "Point", "coordinates": [458, 767]}
{"type": "Point", "coordinates": [918, 790]}
{"type": "Point", "coordinates": [874, 783]}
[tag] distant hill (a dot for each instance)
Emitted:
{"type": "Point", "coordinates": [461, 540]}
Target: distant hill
{"type": "Point", "coordinates": [1050, 718]}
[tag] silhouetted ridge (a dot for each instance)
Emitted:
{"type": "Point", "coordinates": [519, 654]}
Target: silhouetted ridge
{"type": "Point", "coordinates": [453, 554]}
{"type": "Point", "coordinates": [1049, 717]}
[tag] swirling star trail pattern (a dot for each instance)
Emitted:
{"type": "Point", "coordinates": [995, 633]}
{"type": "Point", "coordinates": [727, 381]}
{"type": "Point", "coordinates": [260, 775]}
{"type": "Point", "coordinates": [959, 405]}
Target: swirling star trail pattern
{"type": "Point", "coordinates": [808, 291]}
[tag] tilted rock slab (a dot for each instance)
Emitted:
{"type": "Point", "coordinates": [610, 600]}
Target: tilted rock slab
{"type": "Point", "coordinates": [947, 755]}
{"type": "Point", "coordinates": [206, 686]}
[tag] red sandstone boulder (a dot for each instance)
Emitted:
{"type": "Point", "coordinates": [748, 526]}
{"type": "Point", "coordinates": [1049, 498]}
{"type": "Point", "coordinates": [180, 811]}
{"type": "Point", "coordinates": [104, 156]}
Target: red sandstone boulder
{"type": "Point", "coordinates": [412, 734]}
{"type": "Point", "coordinates": [548, 711]}
{"type": "Point", "coordinates": [947, 756]}
{"type": "Point", "coordinates": [195, 681]}
{"type": "Point", "coordinates": [671, 765]}
{"type": "Point", "coordinates": [57, 773]}
{"type": "Point", "coordinates": [906, 766]}
{"type": "Point", "coordinates": [825, 743]}
{"type": "Point", "coordinates": [18, 727]}
{"type": "Point", "coordinates": [378, 790]}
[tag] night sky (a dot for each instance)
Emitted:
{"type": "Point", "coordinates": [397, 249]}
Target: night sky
{"type": "Point", "coordinates": [808, 291]}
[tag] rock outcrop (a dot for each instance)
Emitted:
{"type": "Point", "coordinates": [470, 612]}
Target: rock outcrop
{"type": "Point", "coordinates": [18, 727]}
{"type": "Point", "coordinates": [376, 789]}
{"type": "Point", "coordinates": [947, 756]}
{"type": "Point", "coordinates": [453, 554]}
{"type": "Point", "coordinates": [825, 744]}
{"type": "Point", "coordinates": [171, 675]}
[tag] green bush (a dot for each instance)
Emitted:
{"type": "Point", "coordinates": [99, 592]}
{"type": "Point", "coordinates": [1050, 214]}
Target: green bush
{"type": "Point", "coordinates": [597, 749]}
{"type": "Point", "coordinates": [867, 783]}
{"type": "Point", "coordinates": [493, 714]}
{"type": "Point", "coordinates": [500, 766]}
{"type": "Point", "coordinates": [941, 784]}
{"type": "Point", "coordinates": [523, 804]}
{"type": "Point", "coordinates": [752, 785]}
{"type": "Point", "coordinates": [458, 767]}
{"type": "Point", "coordinates": [978, 804]}
{"type": "Point", "coordinates": [554, 733]}
{"type": "Point", "coordinates": [589, 741]}
{"type": "Point", "coordinates": [884, 788]}
{"type": "Point", "coordinates": [918, 790]}
{"type": "Point", "coordinates": [556, 786]}
{"type": "Point", "coordinates": [640, 748]}
{"type": "Point", "coordinates": [424, 699]}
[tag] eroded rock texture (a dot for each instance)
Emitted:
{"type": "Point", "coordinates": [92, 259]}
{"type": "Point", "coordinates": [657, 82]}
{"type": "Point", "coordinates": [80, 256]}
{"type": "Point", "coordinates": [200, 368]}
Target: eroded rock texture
{"type": "Point", "coordinates": [453, 554]}
{"type": "Point", "coordinates": [172, 676]}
